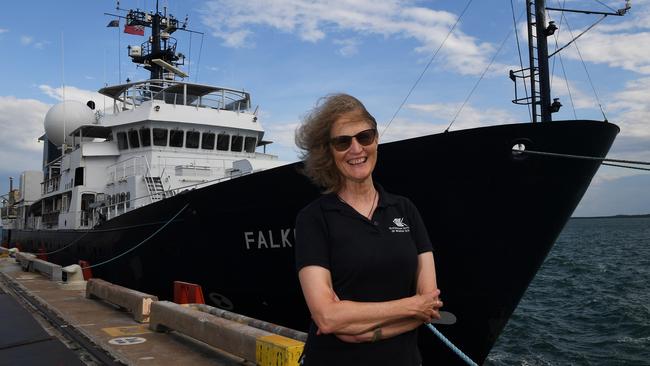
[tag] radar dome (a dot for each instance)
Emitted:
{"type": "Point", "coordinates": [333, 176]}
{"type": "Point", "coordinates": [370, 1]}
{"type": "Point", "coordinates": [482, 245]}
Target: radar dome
{"type": "Point", "coordinates": [64, 118]}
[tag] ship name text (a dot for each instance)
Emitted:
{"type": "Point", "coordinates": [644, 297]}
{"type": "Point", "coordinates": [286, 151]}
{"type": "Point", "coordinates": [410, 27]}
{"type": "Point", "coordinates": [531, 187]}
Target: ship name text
{"type": "Point", "coordinates": [269, 239]}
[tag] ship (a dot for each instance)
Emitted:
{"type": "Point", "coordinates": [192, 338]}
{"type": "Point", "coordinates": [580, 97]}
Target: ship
{"type": "Point", "coordinates": [175, 184]}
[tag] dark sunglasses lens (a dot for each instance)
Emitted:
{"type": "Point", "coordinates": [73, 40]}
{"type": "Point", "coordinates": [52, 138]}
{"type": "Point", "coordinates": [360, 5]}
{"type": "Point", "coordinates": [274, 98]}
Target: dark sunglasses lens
{"type": "Point", "coordinates": [366, 137]}
{"type": "Point", "coordinates": [342, 143]}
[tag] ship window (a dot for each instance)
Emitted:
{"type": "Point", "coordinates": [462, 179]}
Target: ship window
{"type": "Point", "coordinates": [145, 136]}
{"type": "Point", "coordinates": [160, 136]}
{"type": "Point", "coordinates": [121, 141]}
{"type": "Point", "coordinates": [128, 199]}
{"type": "Point", "coordinates": [249, 144]}
{"type": "Point", "coordinates": [79, 176]}
{"type": "Point", "coordinates": [133, 139]}
{"type": "Point", "coordinates": [223, 142]}
{"type": "Point", "coordinates": [122, 197]}
{"type": "Point", "coordinates": [192, 139]}
{"type": "Point", "coordinates": [237, 143]}
{"type": "Point", "coordinates": [208, 141]}
{"type": "Point", "coordinates": [176, 138]}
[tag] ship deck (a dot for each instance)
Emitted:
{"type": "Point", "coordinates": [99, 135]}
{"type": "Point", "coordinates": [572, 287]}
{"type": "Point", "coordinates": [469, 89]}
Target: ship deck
{"type": "Point", "coordinates": [45, 322]}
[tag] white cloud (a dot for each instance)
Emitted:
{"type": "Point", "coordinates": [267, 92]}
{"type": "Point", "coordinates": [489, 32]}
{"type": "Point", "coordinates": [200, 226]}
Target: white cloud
{"type": "Point", "coordinates": [21, 124]}
{"type": "Point", "coordinates": [623, 44]}
{"type": "Point", "coordinates": [26, 40]}
{"type": "Point", "coordinates": [633, 107]}
{"type": "Point", "coordinates": [349, 47]}
{"type": "Point", "coordinates": [3, 30]}
{"type": "Point", "coordinates": [312, 21]}
{"type": "Point", "coordinates": [469, 117]}
{"type": "Point", "coordinates": [73, 93]}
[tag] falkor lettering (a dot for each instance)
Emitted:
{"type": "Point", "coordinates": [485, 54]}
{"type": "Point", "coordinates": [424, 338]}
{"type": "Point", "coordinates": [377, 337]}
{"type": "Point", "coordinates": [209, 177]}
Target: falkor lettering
{"type": "Point", "coordinates": [269, 239]}
{"type": "Point", "coordinates": [400, 226]}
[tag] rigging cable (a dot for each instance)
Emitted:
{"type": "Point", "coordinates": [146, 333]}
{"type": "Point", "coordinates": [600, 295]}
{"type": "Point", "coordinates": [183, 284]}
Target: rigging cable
{"type": "Point", "coordinates": [189, 59]}
{"type": "Point", "coordinates": [566, 80]}
{"type": "Point", "coordinates": [584, 66]}
{"type": "Point", "coordinates": [427, 67]}
{"type": "Point", "coordinates": [478, 81]}
{"type": "Point", "coordinates": [199, 61]}
{"type": "Point", "coordinates": [140, 243]}
{"type": "Point", "coordinates": [521, 61]}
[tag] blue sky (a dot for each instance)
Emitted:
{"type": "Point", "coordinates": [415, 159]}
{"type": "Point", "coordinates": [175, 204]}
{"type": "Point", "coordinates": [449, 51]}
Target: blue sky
{"type": "Point", "coordinates": [288, 53]}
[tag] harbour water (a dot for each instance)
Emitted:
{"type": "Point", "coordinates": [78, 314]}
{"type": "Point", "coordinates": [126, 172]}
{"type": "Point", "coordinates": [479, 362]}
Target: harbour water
{"type": "Point", "coordinates": [590, 302]}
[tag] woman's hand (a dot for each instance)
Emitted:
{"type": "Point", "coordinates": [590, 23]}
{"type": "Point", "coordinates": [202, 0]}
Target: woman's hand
{"type": "Point", "coordinates": [425, 306]}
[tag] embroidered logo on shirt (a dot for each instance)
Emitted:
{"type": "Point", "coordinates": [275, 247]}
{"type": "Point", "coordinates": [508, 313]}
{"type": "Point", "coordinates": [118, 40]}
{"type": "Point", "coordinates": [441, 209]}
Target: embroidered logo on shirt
{"type": "Point", "coordinates": [400, 226]}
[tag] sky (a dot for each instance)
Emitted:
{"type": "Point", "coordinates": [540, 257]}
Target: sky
{"type": "Point", "coordinates": [289, 53]}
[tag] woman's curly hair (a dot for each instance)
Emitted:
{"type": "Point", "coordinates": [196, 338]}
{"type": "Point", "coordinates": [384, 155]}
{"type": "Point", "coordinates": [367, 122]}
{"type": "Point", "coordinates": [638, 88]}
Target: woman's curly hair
{"type": "Point", "coordinates": [313, 138]}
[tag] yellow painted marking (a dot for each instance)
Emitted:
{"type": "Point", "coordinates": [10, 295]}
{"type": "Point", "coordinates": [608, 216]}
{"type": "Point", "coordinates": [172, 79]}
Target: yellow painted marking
{"type": "Point", "coordinates": [127, 331]}
{"type": "Point", "coordinates": [276, 350]}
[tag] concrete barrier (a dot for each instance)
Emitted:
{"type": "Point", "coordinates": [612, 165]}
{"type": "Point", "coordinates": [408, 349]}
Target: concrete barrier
{"type": "Point", "coordinates": [256, 323]}
{"type": "Point", "coordinates": [47, 269]}
{"type": "Point", "coordinates": [137, 303]}
{"type": "Point", "coordinates": [250, 343]}
{"type": "Point", "coordinates": [25, 260]}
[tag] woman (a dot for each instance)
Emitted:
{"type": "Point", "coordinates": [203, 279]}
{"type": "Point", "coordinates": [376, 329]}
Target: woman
{"type": "Point", "coordinates": [363, 255]}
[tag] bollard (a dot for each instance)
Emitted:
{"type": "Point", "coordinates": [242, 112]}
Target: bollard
{"type": "Point", "coordinates": [188, 293]}
{"type": "Point", "coordinates": [85, 268]}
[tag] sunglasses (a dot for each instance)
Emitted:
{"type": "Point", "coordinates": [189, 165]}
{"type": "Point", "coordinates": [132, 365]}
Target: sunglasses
{"type": "Point", "coordinates": [365, 138]}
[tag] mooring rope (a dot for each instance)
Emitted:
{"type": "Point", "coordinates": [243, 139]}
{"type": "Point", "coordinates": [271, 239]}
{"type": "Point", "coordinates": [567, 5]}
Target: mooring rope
{"type": "Point", "coordinates": [448, 343]}
{"type": "Point", "coordinates": [582, 157]}
{"type": "Point", "coordinates": [142, 242]}
{"type": "Point", "coordinates": [69, 245]}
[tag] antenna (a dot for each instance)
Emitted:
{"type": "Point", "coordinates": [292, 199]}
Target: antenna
{"type": "Point", "coordinates": [63, 90]}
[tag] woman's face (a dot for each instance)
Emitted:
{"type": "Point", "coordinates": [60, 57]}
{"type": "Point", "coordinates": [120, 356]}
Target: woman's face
{"type": "Point", "coordinates": [357, 162]}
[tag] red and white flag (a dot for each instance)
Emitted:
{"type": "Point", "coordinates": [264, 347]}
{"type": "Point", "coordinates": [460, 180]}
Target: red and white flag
{"type": "Point", "coordinates": [137, 30]}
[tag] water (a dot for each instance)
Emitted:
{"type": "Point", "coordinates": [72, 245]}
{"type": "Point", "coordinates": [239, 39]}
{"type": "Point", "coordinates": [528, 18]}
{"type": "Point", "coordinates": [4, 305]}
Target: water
{"type": "Point", "coordinates": [590, 302]}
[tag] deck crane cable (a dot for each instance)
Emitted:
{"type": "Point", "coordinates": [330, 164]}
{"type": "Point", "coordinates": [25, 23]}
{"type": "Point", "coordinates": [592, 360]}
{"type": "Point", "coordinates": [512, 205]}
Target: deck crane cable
{"type": "Point", "coordinates": [417, 81]}
{"type": "Point", "coordinates": [140, 243]}
{"type": "Point", "coordinates": [521, 61]}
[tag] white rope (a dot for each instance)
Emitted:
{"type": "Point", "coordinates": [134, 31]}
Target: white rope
{"type": "Point", "coordinates": [448, 343]}
{"type": "Point", "coordinates": [142, 242]}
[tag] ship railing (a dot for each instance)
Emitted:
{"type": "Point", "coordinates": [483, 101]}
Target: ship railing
{"type": "Point", "coordinates": [7, 213]}
{"type": "Point", "coordinates": [180, 93]}
{"type": "Point", "coordinates": [50, 185]}
{"type": "Point", "coordinates": [130, 167]}
{"type": "Point", "coordinates": [110, 211]}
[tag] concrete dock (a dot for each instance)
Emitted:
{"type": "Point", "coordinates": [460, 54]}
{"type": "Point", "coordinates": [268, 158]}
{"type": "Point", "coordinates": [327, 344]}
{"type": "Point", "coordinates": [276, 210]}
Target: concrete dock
{"type": "Point", "coordinates": [50, 322]}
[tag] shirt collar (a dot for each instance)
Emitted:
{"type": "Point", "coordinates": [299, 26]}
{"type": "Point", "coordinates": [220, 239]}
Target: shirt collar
{"type": "Point", "coordinates": [331, 201]}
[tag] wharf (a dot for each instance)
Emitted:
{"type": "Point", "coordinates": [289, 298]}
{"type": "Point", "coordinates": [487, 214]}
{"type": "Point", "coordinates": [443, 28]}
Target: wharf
{"type": "Point", "coordinates": [44, 322]}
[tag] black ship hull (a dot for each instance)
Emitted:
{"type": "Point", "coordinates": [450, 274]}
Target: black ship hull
{"type": "Point", "coordinates": [493, 216]}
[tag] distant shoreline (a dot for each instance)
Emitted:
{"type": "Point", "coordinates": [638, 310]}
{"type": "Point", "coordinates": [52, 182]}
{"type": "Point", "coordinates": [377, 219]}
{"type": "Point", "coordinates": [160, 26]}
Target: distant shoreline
{"type": "Point", "coordinates": [612, 217]}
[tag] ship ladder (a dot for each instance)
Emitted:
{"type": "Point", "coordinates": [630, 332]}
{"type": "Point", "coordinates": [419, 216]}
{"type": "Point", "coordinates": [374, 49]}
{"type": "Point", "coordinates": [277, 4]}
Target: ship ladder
{"type": "Point", "coordinates": [155, 188]}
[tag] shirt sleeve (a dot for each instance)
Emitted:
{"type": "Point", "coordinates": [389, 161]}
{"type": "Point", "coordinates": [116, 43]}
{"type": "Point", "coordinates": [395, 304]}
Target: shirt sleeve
{"type": "Point", "coordinates": [419, 230]}
{"type": "Point", "coordinates": [312, 247]}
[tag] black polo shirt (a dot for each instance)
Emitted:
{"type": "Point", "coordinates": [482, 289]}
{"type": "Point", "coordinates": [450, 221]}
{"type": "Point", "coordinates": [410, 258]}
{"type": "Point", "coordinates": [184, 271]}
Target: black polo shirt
{"type": "Point", "coordinates": [370, 261]}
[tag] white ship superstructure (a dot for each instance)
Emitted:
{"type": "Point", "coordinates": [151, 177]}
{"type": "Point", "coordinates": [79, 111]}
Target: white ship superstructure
{"type": "Point", "coordinates": [163, 137]}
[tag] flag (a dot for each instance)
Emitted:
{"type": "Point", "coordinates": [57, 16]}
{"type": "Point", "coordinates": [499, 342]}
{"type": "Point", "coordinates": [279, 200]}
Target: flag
{"type": "Point", "coordinates": [137, 30]}
{"type": "Point", "coordinates": [113, 23]}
